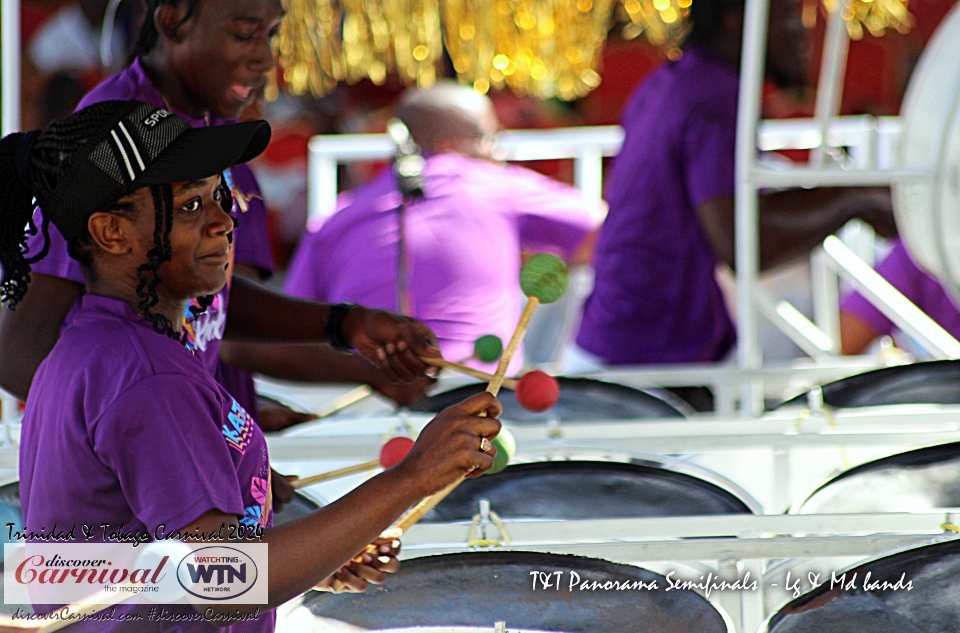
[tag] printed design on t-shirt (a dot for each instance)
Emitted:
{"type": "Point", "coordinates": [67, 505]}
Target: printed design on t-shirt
{"type": "Point", "coordinates": [256, 515]}
{"type": "Point", "coordinates": [239, 427]}
{"type": "Point", "coordinates": [207, 326]}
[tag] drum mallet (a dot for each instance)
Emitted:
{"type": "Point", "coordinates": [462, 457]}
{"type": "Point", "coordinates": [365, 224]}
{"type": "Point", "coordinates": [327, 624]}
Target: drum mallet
{"type": "Point", "coordinates": [391, 454]}
{"type": "Point", "coordinates": [544, 279]}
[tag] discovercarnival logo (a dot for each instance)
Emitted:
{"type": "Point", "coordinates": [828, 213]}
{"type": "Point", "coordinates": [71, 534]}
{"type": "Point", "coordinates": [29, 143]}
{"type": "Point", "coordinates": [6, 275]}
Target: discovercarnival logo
{"type": "Point", "coordinates": [159, 572]}
{"type": "Point", "coordinates": [217, 573]}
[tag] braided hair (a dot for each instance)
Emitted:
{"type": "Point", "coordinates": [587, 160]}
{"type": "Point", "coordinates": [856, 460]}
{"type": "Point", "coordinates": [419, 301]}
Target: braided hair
{"type": "Point", "coordinates": [39, 159]}
{"type": "Point", "coordinates": [148, 31]}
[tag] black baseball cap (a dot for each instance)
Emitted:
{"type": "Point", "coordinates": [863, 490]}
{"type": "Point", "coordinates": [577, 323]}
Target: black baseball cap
{"type": "Point", "coordinates": [139, 145]}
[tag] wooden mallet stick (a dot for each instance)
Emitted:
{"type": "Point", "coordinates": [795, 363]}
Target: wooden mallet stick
{"type": "Point", "coordinates": [353, 396]}
{"type": "Point", "coordinates": [391, 453]}
{"type": "Point", "coordinates": [509, 383]}
{"type": "Point", "coordinates": [296, 484]}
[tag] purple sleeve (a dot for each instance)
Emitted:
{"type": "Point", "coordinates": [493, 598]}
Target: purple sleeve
{"type": "Point", "coordinates": [552, 215]}
{"type": "Point", "coordinates": [57, 262]}
{"type": "Point", "coordinates": [162, 437]}
{"type": "Point", "coordinates": [903, 274]}
{"type": "Point", "coordinates": [709, 145]}
{"type": "Point", "coordinates": [241, 386]}
{"type": "Point", "coordinates": [252, 237]}
{"type": "Point", "coordinates": [305, 275]}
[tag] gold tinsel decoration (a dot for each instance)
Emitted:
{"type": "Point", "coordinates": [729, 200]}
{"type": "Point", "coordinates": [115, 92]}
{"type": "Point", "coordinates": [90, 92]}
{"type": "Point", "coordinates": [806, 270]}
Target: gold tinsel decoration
{"type": "Point", "coordinates": [661, 21]}
{"type": "Point", "coordinates": [544, 48]}
{"type": "Point", "coordinates": [876, 16]}
{"type": "Point", "coordinates": [324, 42]}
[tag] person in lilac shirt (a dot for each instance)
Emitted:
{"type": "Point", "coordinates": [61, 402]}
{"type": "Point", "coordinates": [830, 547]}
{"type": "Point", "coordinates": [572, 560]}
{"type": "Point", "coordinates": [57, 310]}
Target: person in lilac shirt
{"type": "Point", "coordinates": [463, 238]}
{"type": "Point", "coordinates": [123, 425]}
{"type": "Point", "coordinates": [206, 61]}
{"type": "Point", "coordinates": [671, 219]}
{"type": "Point", "coordinates": [861, 322]}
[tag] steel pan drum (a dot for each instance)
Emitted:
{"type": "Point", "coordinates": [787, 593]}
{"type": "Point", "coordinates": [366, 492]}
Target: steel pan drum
{"type": "Point", "coordinates": [932, 605]}
{"type": "Point", "coordinates": [575, 489]}
{"type": "Point", "coordinates": [481, 588]}
{"type": "Point", "coordinates": [916, 481]}
{"type": "Point", "coordinates": [580, 399]}
{"type": "Point", "coordinates": [932, 382]}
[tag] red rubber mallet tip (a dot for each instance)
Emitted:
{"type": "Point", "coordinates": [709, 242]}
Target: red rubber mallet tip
{"type": "Point", "coordinates": [537, 391]}
{"type": "Point", "coordinates": [393, 452]}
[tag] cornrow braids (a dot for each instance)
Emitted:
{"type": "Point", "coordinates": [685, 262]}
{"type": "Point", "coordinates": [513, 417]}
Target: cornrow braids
{"type": "Point", "coordinates": [16, 212]}
{"type": "Point", "coordinates": [148, 274]}
{"type": "Point", "coordinates": [149, 35]}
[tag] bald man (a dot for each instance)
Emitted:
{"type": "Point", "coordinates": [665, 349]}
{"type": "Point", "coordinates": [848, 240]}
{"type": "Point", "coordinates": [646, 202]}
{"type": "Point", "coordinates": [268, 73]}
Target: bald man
{"type": "Point", "coordinates": [462, 240]}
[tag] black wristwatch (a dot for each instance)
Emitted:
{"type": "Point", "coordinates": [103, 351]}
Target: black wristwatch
{"type": "Point", "coordinates": [335, 327]}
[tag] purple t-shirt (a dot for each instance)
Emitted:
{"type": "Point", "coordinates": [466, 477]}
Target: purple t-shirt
{"type": "Point", "coordinates": [463, 243]}
{"type": "Point", "coordinates": [251, 243]}
{"type": "Point", "coordinates": [655, 298]}
{"type": "Point", "coordinates": [916, 285]}
{"type": "Point", "coordinates": [124, 427]}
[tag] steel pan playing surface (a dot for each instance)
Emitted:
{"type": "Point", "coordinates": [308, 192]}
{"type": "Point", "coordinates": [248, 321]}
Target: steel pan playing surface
{"type": "Point", "coordinates": [932, 382]}
{"type": "Point", "coordinates": [580, 399]}
{"type": "Point", "coordinates": [916, 481]}
{"type": "Point", "coordinates": [575, 489]}
{"type": "Point", "coordinates": [931, 606]}
{"type": "Point", "coordinates": [481, 588]}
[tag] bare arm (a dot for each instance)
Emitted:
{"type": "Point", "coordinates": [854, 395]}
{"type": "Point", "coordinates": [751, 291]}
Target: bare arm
{"type": "Point", "coordinates": [307, 551]}
{"type": "Point", "coordinates": [393, 342]}
{"type": "Point", "coordinates": [28, 333]}
{"type": "Point", "coordinates": [315, 362]}
{"type": "Point", "coordinates": [795, 221]}
{"type": "Point", "coordinates": [855, 334]}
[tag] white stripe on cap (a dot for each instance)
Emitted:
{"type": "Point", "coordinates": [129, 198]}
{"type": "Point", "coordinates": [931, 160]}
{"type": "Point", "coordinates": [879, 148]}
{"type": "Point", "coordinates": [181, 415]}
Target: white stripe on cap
{"type": "Point", "coordinates": [123, 153]}
{"type": "Point", "coordinates": [133, 146]}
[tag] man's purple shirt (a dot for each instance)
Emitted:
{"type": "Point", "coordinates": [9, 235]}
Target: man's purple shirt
{"type": "Point", "coordinates": [463, 244]}
{"type": "Point", "coordinates": [656, 299]}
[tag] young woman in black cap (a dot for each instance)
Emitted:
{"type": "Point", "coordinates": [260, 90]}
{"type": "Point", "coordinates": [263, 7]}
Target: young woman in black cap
{"type": "Point", "coordinates": [123, 426]}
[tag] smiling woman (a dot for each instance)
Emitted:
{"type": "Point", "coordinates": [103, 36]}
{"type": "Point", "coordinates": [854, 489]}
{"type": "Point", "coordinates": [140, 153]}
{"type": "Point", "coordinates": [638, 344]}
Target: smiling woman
{"type": "Point", "coordinates": [210, 55]}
